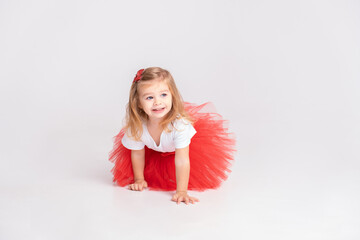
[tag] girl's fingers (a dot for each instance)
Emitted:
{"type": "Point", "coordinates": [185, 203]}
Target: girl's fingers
{"type": "Point", "coordinates": [193, 200]}
{"type": "Point", "coordinates": [137, 186]}
{"type": "Point", "coordinates": [187, 199]}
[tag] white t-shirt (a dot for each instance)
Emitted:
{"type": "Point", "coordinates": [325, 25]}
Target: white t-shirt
{"type": "Point", "coordinates": [179, 137]}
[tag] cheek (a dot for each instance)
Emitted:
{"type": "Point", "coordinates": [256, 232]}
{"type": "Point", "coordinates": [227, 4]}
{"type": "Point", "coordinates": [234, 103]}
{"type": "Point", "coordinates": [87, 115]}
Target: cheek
{"type": "Point", "coordinates": [147, 105]}
{"type": "Point", "coordinates": [143, 104]}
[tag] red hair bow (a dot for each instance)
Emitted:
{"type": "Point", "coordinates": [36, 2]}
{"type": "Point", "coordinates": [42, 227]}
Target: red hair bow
{"type": "Point", "coordinates": [138, 75]}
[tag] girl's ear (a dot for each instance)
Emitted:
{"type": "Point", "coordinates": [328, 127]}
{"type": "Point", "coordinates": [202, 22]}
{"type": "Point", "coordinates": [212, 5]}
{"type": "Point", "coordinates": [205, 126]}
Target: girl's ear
{"type": "Point", "coordinates": [139, 105]}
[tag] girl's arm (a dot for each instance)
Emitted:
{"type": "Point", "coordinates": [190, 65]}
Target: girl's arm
{"type": "Point", "coordinates": [138, 164]}
{"type": "Point", "coordinates": [182, 167]}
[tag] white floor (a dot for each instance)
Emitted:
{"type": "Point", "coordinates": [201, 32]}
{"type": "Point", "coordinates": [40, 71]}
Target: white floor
{"type": "Point", "coordinates": [264, 198]}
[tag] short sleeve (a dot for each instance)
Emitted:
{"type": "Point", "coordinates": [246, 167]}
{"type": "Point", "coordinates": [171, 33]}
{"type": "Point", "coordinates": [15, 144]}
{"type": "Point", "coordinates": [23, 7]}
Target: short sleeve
{"type": "Point", "coordinates": [131, 144]}
{"type": "Point", "coordinates": [183, 133]}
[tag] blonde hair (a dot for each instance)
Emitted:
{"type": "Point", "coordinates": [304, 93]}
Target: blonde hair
{"type": "Point", "coordinates": [135, 115]}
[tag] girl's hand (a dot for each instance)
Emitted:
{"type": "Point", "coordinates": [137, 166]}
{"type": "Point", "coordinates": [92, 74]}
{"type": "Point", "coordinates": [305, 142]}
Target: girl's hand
{"type": "Point", "coordinates": [138, 185]}
{"type": "Point", "coordinates": [182, 196]}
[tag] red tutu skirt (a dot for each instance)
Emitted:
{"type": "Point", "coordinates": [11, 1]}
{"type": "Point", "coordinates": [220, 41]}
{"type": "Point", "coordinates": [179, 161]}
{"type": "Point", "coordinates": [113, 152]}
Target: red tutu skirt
{"type": "Point", "coordinates": [211, 154]}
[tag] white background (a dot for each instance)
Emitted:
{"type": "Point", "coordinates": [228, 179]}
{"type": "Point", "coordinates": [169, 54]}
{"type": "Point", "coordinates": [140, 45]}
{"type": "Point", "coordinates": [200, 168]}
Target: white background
{"type": "Point", "coordinates": [284, 73]}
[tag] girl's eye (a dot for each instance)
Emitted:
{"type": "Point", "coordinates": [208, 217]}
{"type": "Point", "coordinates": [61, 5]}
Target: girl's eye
{"type": "Point", "coordinates": [164, 95]}
{"type": "Point", "coordinates": [149, 98]}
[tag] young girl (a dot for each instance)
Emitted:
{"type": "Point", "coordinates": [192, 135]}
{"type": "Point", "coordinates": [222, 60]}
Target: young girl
{"type": "Point", "coordinates": [168, 144]}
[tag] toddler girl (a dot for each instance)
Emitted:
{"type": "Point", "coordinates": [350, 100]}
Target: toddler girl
{"type": "Point", "coordinates": [168, 144]}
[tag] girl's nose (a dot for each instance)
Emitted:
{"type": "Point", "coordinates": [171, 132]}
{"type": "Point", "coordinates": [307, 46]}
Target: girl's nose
{"type": "Point", "coordinates": [156, 101]}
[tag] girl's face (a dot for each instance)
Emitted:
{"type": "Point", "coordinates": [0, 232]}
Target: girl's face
{"type": "Point", "coordinates": [155, 99]}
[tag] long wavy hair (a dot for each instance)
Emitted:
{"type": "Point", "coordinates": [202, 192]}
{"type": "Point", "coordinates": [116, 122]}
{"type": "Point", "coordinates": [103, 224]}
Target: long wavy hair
{"type": "Point", "coordinates": [135, 116]}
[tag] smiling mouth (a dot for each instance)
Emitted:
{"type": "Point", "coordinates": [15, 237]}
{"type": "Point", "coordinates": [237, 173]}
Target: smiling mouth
{"type": "Point", "coordinates": [158, 109]}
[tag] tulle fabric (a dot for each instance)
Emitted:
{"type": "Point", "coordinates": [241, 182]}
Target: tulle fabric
{"type": "Point", "coordinates": [211, 154]}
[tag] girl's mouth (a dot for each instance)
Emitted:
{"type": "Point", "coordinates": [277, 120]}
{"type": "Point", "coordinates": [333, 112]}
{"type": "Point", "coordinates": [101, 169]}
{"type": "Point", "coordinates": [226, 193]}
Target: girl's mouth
{"type": "Point", "coordinates": [158, 110]}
